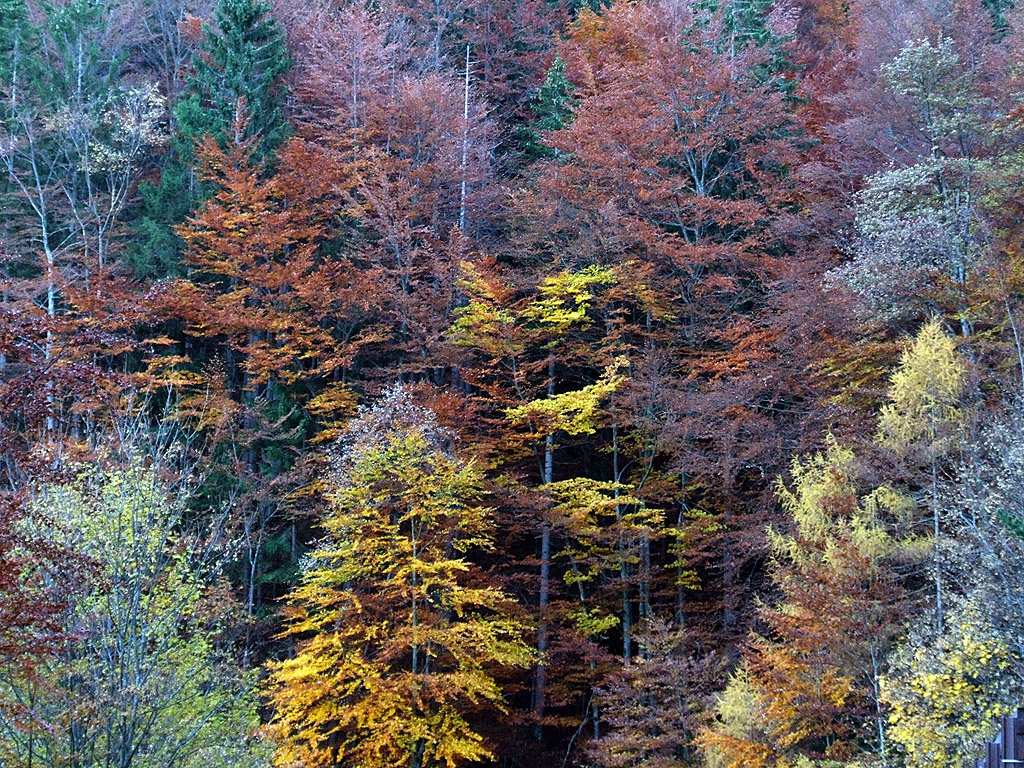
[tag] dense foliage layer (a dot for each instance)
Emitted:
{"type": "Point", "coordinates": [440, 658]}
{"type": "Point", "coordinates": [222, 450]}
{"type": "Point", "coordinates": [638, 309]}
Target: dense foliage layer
{"type": "Point", "coordinates": [451, 382]}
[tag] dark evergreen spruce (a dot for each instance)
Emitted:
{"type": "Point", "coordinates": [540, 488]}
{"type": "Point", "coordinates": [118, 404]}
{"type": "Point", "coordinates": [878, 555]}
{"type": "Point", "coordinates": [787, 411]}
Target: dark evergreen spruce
{"type": "Point", "coordinates": [234, 88]}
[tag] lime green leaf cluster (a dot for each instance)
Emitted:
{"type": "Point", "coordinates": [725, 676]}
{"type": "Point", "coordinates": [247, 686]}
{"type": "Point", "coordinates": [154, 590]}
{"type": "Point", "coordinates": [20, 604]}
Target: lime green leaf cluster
{"type": "Point", "coordinates": [925, 392]}
{"type": "Point", "coordinates": [563, 299]}
{"type": "Point", "coordinates": [485, 322]}
{"type": "Point", "coordinates": [695, 525]}
{"type": "Point", "coordinates": [575, 413]}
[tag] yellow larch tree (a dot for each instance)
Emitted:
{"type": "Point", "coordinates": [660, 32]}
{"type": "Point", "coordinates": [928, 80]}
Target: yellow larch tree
{"type": "Point", "coordinates": [808, 690]}
{"type": "Point", "coordinates": [924, 415]}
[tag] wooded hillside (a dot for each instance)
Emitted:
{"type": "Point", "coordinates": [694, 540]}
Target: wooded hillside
{"type": "Point", "coordinates": [547, 383]}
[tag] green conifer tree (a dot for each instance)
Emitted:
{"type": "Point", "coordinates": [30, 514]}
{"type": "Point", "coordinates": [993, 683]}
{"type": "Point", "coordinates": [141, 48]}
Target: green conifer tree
{"type": "Point", "coordinates": [13, 18]}
{"type": "Point", "coordinates": [746, 23]}
{"type": "Point", "coordinates": [233, 94]}
{"type": "Point", "coordinates": [552, 107]}
{"type": "Point", "coordinates": [238, 69]}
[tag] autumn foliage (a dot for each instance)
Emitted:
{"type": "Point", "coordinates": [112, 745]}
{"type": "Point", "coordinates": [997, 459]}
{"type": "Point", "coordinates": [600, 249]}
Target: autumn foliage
{"type": "Point", "coordinates": [606, 383]}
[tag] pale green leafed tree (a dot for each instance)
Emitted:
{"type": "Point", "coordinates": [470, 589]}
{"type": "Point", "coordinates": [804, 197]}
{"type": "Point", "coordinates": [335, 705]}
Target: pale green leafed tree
{"type": "Point", "coordinates": [145, 678]}
{"type": "Point", "coordinates": [940, 85]}
{"type": "Point", "coordinates": [921, 236]}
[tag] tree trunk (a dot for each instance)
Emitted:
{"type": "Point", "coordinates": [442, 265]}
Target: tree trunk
{"type": "Point", "coordinates": [540, 679]}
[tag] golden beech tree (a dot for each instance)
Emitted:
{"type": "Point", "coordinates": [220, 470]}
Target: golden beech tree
{"type": "Point", "coordinates": [400, 634]}
{"type": "Point", "coordinates": [272, 310]}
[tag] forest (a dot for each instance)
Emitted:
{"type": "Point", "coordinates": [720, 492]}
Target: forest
{"type": "Point", "coordinates": [533, 383]}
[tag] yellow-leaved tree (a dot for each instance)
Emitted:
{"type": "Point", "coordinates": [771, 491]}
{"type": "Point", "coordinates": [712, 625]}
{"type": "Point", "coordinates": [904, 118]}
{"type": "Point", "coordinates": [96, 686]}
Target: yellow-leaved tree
{"type": "Point", "coordinates": [520, 346]}
{"type": "Point", "coordinates": [925, 391]}
{"type": "Point", "coordinates": [924, 416]}
{"type": "Point", "coordinates": [399, 633]}
{"type": "Point", "coordinates": [946, 692]}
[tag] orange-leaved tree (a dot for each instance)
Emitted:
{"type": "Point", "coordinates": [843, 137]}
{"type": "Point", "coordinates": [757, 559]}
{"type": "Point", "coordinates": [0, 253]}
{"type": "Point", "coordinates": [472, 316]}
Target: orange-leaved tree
{"type": "Point", "coordinates": [258, 280]}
